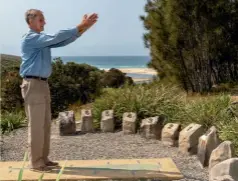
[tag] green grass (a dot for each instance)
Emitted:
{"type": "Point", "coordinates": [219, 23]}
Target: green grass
{"type": "Point", "coordinates": [228, 130]}
{"type": "Point", "coordinates": [208, 110]}
{"type": "Point", "coordinates": [145, 100]}
{"type": "Point", "coordinates": [41, 177]}
{"type": "Point", "coordinates": [20, 174]}
{"type": "Point", "coordinates": [11, 120]}
{"type": "Point", "coordinates": [158, 99]}
{"type": "Point", "coordinates": [61, 172]}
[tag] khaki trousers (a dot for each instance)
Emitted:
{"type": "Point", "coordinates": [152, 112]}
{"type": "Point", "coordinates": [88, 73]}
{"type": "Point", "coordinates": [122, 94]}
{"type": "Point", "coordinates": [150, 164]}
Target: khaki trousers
{"type": "Point", "coordinates": [36, 95]}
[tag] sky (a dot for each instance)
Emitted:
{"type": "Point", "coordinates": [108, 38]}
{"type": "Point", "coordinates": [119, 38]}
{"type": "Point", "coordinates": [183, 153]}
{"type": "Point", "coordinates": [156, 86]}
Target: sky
{"type": "Point", "coordinates": [118, 32]}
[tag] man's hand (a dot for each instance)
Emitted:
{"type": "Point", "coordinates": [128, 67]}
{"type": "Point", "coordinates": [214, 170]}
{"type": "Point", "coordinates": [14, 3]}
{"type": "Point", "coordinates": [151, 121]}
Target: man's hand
{"type": "Point", "coordinates": [87, 22]}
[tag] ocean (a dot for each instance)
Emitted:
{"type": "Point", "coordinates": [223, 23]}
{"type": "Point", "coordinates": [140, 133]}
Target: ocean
{"type": "Point", "coordinates": [107, 62]}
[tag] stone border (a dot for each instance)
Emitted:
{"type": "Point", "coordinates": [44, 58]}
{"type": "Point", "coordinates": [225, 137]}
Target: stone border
{"type": "Point", "coordinates": [191, 140]}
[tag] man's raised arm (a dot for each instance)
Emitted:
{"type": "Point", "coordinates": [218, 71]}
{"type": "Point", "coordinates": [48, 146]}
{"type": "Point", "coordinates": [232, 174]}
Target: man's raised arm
{"type": "Point", "coordinates": [45, 40]}
{"type": "Point", "coordinates": [81, 29]}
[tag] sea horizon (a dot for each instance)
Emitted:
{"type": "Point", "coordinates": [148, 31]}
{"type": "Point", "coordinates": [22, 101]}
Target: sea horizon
{"type": "Point", "coordinates": [108, 62]}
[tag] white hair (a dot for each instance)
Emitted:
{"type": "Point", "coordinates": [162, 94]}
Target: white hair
{"type": "Point", "coordinates": [31, 14]}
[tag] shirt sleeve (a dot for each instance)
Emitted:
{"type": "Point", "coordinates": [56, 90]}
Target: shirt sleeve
{"type": "Point", "coordinates": [64, 43]}
{"type": "Point", "coordinates": [46, 40]}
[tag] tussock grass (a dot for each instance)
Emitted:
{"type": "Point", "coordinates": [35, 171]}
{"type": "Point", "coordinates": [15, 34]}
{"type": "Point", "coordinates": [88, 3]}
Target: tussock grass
{"type": "Point", "coordinates": [228, 130]}
{"type": "Point", "coordinates": [11, 120]}
{"type": "Point", "coordinates": [170, 101]}
{"type": "Point", "coordinates": [208, 110]}
{"type": "Point", "coordinates": [77, 107]}
{"type": "Point", "coordinates": [145, 100]}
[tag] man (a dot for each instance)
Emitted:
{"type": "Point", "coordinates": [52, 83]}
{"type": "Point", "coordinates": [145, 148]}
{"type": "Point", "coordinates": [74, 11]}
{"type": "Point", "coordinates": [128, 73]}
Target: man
{"type": "Point", "coordinates": [35, 69]}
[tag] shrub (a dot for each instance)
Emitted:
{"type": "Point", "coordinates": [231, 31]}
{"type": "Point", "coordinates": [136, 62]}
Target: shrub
{"type": "Point", "coordinates": [115, 78]}
{"type": "Point", "coordinates": [11, 98]}
{"type": "Point", "coordinates": [69, 83]}
{"type": "Point", "coordinates": [73, 82]}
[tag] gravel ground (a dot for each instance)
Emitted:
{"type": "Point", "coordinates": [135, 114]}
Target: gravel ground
{"type": "Point", "coordinates": [103, 146]}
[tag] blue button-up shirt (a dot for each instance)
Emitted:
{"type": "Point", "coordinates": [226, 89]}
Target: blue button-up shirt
{"type": "Point", "coordinates": [36, 50]}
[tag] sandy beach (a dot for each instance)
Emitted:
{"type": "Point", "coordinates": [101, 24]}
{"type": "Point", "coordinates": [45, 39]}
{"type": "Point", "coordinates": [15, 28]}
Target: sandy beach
{"type": "Point", "coordinates": [137, 70]}
{"type": "Point", "coordinates": [141, 71]}
{"type": "Point", "coordinates": [137, 80]}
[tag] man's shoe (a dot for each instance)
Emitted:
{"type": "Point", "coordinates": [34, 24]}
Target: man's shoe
{"type": "Point", "coordinates": [52, 164]}
{"type": "Point", "coordinates": [41, 169]}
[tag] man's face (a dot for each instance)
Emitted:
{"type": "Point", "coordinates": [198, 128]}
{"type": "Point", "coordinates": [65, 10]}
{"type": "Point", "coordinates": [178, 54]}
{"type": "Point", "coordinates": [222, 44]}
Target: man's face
{"type": "Point", "coordinates": [38, 22]}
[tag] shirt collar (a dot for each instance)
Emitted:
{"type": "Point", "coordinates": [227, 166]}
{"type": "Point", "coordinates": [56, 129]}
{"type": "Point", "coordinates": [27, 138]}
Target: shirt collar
{"type": "Point", "coordinates": [33, 31]}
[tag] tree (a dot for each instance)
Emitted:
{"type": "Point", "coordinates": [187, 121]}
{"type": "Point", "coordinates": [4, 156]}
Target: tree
{"type": "Point", "coordinates": [193, 41]}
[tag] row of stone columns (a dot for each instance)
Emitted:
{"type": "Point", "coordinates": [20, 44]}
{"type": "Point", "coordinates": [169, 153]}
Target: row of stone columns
{"type": "Point", "coordinates": [192, 139]}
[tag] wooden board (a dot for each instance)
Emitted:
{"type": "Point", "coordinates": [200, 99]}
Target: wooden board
{"type": "Point", "coordinates": [162, 169]}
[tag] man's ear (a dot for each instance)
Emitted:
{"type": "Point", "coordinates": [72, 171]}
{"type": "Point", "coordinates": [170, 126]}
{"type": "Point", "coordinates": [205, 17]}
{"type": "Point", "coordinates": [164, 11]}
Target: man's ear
{"type": "Point", "coordinates": [30, 21]}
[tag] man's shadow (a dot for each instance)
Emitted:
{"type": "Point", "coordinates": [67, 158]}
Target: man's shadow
{"type": "Point", "coordinates": [115, 173]}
